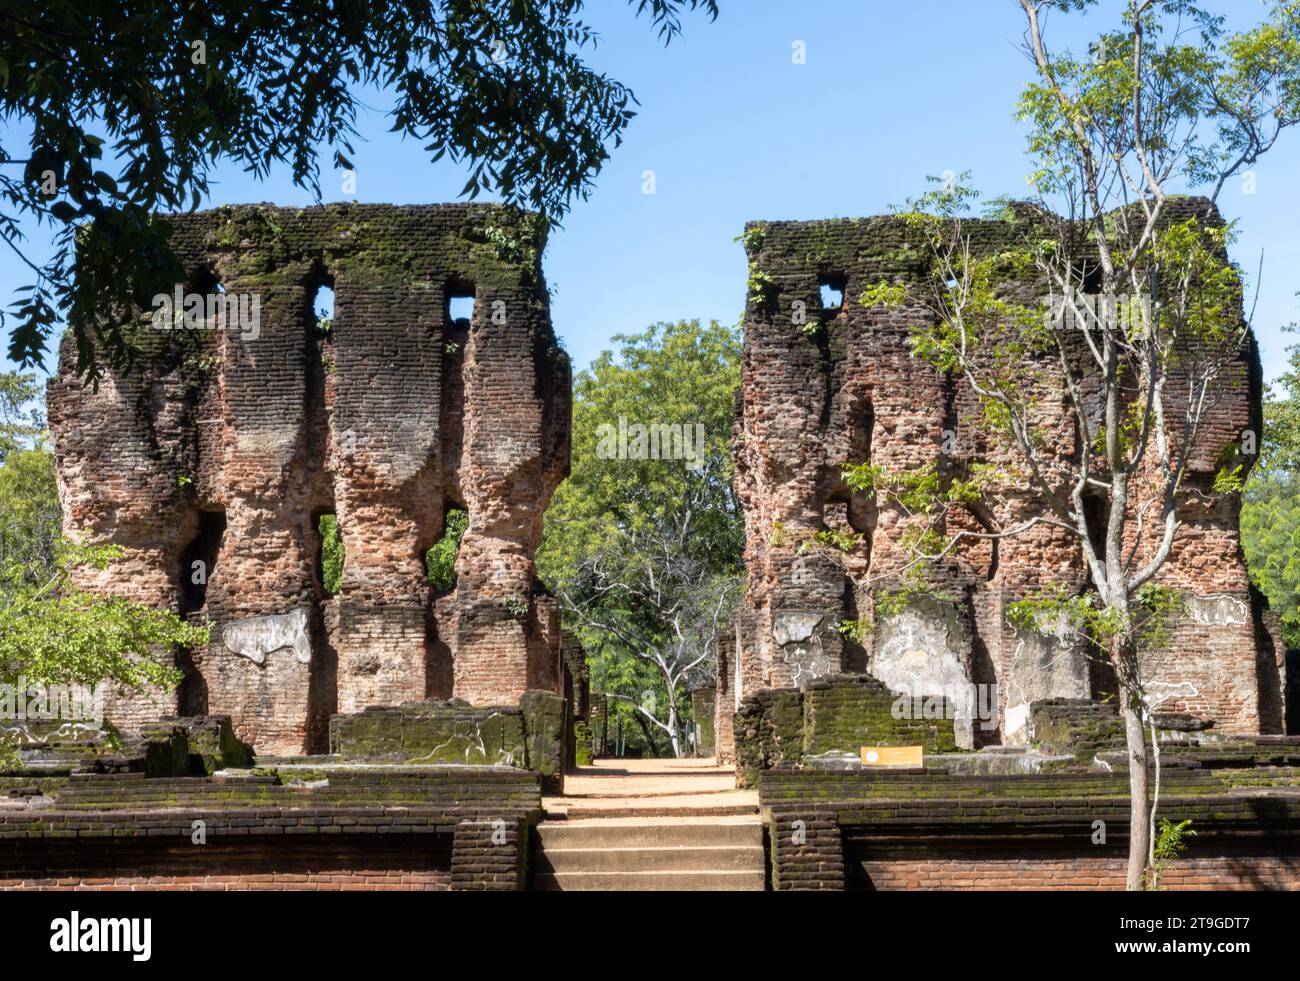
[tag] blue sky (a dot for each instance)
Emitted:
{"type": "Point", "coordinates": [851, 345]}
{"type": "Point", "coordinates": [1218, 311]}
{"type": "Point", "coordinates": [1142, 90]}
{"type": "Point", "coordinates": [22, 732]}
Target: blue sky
{"type": "Point", "coordinates": [734, 131]}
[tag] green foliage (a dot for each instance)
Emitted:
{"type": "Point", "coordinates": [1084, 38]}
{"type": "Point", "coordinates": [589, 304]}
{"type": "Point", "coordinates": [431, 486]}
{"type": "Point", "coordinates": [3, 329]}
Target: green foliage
{"type": "Point", "coordinates": [759, 284]}
{"type": "Point", "coordinates": [173, 89]}
{"type": "Point", "coordinates": [841, 541]}
{"type": "Point", "coordinates": [1270, 514]}
{"type": "Point", "coordinates": [53, 632]}
{"type": "Point", "coordinates": [1169, 845]}
{"type": "Point", "coordinates": [1147, 623]}
{"type": "Point", "coordinates": [1159, 606]}
{"type": "Point", "coordinates": [1279, 454]}
{"type": "Point", "coordinates": [1171, 839]}
{"type": "Point", "coordinates": [30, 517]}
{"type": "Point", "coordinates": [1217, 100]}
{"type": "Point", "coordinates": [680, 374]}
{"type": "Point", "coordinates": [331, 553]}
{"type": "Point", "coordinates": [630, 542]}
{"type": "Point", "coordinates": [892, 602]}
{"type": "Point", "coordinates": [1270, 538]}
{"type": "Point", "coordinates": [21, 420]}
{"type": "Point", "coordinates": [1053, 605]}
{"type": "Point", "coordinates": [440, 560]}
{"type": "Point", "coordinates": [516, 606]}
{"type": "Point", "coordinates": [858, 630]}
{"type": "Point", "coordinates": [883, 295]}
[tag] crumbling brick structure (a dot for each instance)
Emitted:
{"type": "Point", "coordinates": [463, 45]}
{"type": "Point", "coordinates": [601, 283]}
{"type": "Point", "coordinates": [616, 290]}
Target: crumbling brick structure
{"type": "Point", "coordinates": [212, 461]}
{"type": "Point", "coordinates": [840, 385]}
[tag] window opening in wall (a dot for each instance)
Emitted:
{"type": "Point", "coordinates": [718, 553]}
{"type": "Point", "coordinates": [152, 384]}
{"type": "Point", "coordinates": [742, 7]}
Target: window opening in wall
{"type": "Point", "coordinates": [832, 292]}
{"type": "Point", "coordinates": [331, 553]}
{"type": "Point", "coordinates": [322, 306]}
{"type": "Point", "coordinates": [460, 307]}
{"type": "Point", "coordinates": [440, 560]}
{"type": "Point", "coordinates": [198, 560]}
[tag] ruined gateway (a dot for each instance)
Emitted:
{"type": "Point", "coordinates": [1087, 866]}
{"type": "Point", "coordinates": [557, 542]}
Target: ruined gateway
{"type": "Point", "coordinates": [850, 391]}
{"type": "Point", "coordinates": [227, 443]}
{"type": "Point", "coordinates": [224, 447]}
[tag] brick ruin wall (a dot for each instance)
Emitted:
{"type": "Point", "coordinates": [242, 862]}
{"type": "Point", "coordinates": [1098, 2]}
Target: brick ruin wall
{"type": "Point", "coordinates": [924, 830]}
{"type": "Point", "coordinates": [225, 445]}
{"type": "Point", "coordinates": [849, 390]}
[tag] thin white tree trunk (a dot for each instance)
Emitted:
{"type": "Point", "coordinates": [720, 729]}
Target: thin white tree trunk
{"type": "Point", "coordinates": [1139, 845]}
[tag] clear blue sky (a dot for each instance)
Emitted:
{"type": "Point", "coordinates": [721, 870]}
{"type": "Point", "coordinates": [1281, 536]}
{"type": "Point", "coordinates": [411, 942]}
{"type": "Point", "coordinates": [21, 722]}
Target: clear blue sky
{"type": "Point", "coordinates": [734, 131]}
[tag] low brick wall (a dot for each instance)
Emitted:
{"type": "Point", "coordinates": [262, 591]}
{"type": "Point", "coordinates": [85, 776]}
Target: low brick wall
{"type": "Point", "coordinates": [341, 862]}
{"type": "Point", "coordinates": [834, 715]}
{"type": "Point", "coordinates": [437, 827]}
{"type": "Point", "coordinates": [922, 830]}
{"type": "Point", "coordinates": [1011, 869]}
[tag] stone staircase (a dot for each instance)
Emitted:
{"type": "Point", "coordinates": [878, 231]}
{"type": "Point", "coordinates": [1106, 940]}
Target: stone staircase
{"type": "Point", "coordinates": [662, 825]}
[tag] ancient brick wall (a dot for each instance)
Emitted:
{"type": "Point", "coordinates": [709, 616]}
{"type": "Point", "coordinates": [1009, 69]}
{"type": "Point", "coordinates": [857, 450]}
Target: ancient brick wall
{"type": "Point", "coordinates": [914, 830]}
{"type": "Point", "coordinates": [300, 826]}
{"type": "Point", "coordinates": [226, 444]}
{"type": "Point", "coordinates": [1019, 867]}
{"type": "Point", "coordinates": [822, 387]}
{"type": "Point", "coordinates": [406, 863]}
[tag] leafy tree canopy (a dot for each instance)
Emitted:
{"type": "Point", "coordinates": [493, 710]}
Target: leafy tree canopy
{"type": "Point", "coordinates": [1270, 515]}
{"type": "Point", "coordinates": [129, 106]}
{"type": "Point", "coordinates": [52, 631]}
{"type": "Point", "coordinates": [644, 549]}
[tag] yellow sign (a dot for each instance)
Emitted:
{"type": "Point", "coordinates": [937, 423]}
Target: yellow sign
{"type": "Point", "coordinates": [893, 756]}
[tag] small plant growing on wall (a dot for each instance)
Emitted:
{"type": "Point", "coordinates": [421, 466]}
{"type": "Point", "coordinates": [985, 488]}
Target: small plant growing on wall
{"type": "Point", "coordinates": [516, 606]}
{"type": "Point", "coordinates": [1170, 844]}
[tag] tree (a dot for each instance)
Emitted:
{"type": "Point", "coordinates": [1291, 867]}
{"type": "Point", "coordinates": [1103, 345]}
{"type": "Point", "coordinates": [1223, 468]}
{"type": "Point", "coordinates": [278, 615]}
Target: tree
{"type": "Point", "coordinates": [30, 518]}
{"type": "Point", "coordinates": [171, 88]}
{"type": "Point", "coordinates": [643, 541]}
{"type": "Point", "coordinates": [1139, 361]}
{"type": "Point", "coordinates": [51, 631]}
{"type": "Point", "coordinates": [1270, 515]}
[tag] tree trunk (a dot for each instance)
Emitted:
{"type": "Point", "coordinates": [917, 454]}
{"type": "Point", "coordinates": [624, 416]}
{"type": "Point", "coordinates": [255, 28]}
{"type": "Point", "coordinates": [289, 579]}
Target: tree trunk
{"type": "Point", "coordinates": [673, 727]}
{"type": "Point", "coordinates": [648, 733]}
{"type": "Point", "coordinates": [1139, 833]}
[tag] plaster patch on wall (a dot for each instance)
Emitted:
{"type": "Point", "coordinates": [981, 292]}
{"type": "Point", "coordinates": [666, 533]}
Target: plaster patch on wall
{"type": "Point", "coordinates": [1046, 663]}
{"type": "Point", "coordinates": [794, 628]}
{"type": "Point", "coordinates": [1162, 692]}
{"type": "Point", "coordinates": [1217, 610]}
{"type": "Point", "coordinates": [800, 645]}
{"type": "Point", "coordinates": [257, 637]}
{"type": "Point", "coordinates": [919, 652]}
{"type": "Point", "coordinates": [1017, 718]}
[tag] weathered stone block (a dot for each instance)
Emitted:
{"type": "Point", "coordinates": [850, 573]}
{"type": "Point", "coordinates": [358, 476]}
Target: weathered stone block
{"type": "Point", "coordinates": [544, 737]}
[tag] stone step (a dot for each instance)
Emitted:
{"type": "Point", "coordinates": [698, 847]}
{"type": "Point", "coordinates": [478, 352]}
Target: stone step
{"type": "Point", "coordinates": [642, 832]}
{"type": "Point", "coordinates": [726, 858]}
{"type": "Point", "coordinates": [674, 881]}
{"type": "Point", "coordinates": [579, 812]}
